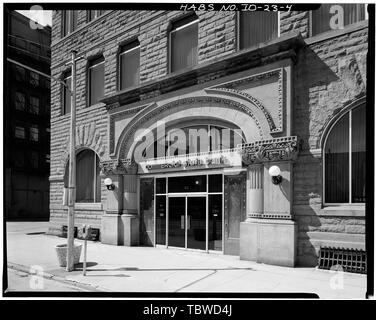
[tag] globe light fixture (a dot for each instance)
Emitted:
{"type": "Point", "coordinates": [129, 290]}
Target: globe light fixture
{"type": "Point", "coordinates": [108, 183]}
{"type": "Point", "coordinates": [275, 173]}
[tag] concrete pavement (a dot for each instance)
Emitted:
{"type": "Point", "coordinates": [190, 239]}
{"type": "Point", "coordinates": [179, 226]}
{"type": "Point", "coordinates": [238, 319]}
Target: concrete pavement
{"type": "Point", "coordinates": [148, 269]}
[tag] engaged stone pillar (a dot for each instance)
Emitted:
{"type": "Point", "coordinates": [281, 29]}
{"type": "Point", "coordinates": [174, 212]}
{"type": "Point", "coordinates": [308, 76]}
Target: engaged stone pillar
{"type": "Point", "coordinates": [130, 219]}
{"type": "Point", "coordinates": [255, 192]}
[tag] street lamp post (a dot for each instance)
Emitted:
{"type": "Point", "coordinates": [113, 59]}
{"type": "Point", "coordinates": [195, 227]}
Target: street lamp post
{"type": "Point", "coordinates": [72, 169]}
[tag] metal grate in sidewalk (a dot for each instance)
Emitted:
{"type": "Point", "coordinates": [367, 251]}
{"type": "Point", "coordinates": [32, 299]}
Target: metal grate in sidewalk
{"type": "Point", "coordinates": [351, 260]}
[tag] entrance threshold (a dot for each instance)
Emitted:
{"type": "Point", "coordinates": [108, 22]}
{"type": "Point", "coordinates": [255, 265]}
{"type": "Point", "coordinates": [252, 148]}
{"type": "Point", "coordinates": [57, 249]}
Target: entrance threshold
{"type": "Point", "coordinates": [189, 249]}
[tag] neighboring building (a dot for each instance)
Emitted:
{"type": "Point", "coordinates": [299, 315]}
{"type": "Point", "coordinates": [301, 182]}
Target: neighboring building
{"type": "Point", "coordinates": [27, 119]}
{"type": "Point", "coordinates": [264, 89]}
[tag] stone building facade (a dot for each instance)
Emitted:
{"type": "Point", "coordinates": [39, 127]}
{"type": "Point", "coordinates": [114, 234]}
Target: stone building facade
{"type": "Point", "coordinates": [285, 93]}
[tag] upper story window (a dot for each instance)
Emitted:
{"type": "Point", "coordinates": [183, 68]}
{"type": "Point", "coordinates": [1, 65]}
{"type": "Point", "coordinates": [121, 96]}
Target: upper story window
{"type": "Point", "coordinates": [65, 93]}
{"type": "Point", "coordinates": [336, 16]}
{"type": "Point", "coordinates": [129, 64]}
{"type": "Point", "coordinates": [69, 21]}
{"type": "Point", "coordinates": [96, 80]}
{"type": "Point", "coordinates": [20, 73]}
{"type": "Point", "coordinates": [92, 14]}
{"type": "Point", "coordinates": [184, 43]}
{"type": "Point", "coordinates": [256, 27]}
{"type": "Point", "coordinates": [34, 159]}
{"type": "Point", "coordinates": [20, 101]}
{"type": "Point", "coordinates": [34, 105]}
{"type": "Point", "coordinates": [19, 132]}
{"type": "Point", "coordinates": [34, 79]}
{"type": "Point", "coordinates": [34, 133]}
{"type": "Point", "coordinates": [345, 159]}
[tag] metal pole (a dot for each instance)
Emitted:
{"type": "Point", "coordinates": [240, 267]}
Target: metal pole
{"type": "Point", "coordinates": [85, 250]}
{"type": "Point", "coordinates": [72, 169]}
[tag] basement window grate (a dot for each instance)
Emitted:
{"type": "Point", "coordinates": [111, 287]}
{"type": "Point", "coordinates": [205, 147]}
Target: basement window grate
{"type": "Point", "coordinates": [351, 260]}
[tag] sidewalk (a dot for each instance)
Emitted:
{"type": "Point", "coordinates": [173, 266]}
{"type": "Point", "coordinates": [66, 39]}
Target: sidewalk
{"type": "Point", "coordinates": [148, 269]}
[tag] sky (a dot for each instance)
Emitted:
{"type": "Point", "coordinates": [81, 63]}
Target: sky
{"type": "Point", "coordinates": [43, 17]}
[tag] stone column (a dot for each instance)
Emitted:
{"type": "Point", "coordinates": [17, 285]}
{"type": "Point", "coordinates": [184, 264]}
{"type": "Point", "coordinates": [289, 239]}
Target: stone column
{"type": "Point", "coordinates": [255, 192]}
{"type": "Point", "coordinates": [129, 217]}
{"type": "Point", "coordinates": [111, 232]}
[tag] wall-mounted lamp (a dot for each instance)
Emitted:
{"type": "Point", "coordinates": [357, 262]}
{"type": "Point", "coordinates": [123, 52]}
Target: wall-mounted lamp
{"type": "Point", "coordinates": [275, 173]}
{"type": "Point", "coordinates": [108, 183]}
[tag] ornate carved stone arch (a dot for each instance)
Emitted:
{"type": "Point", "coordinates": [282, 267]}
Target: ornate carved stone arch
{"type": "Point", "coordinates": [125, 140]}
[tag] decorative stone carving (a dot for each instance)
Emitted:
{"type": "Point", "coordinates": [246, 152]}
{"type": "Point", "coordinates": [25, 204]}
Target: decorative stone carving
{"type": "Point", "coordinates": [147, 114]}
{"type": "Point", "coordinates": [87, 136]}
{"type": "Point", "coordinates": [116, 166]}
{"type": "Point", "coordinates": [278, 149]}
{"type": "Point", "coordinates": [231, 89]}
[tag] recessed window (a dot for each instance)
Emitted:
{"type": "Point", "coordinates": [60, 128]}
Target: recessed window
{"type": "Point", "coordinates": [69, 21]}
{"type": "Point", "coordinates": [345, 159]}
{"type": "Point", "coordinates": [34, 79]}
{"type": "Point", "coordinates": [256, 27]}
{"type": "Point", "coordinates": [34, 133]}
{"type": "Point", "coordinates": [20, 101]}
{"type": "Point", "coordinates": [184, 43]}
{"type": "Point", "coordinates": [92, 14]}
{"type": "Point", "coordinates": [88, 179]}
{"type": "Point", "coordinates": [129, 64]}
{"type": "Point", "coordinates": [336, 16]}
{"type": "Point", "coordinates": [65, 93]}
{"type": "Point", "coordinates": [20, 73]}
{"type": "Point", "coordinates": [34, 159]}
{"type": "Point", "coordinates": [19, 132]}
{"type": "Point", "coordinates": [34, 105]}
{"type": "Point", "coordinates": [96, 80]}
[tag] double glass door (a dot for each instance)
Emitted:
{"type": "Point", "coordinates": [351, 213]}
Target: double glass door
{"type": "Point", "coordinates": [187, 222]}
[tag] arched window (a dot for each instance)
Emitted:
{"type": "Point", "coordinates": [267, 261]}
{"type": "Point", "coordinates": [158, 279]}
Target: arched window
{"type": "Point", "coordinates": [88, 182]}
{"type": "Point", "coordinates": [345, 159]}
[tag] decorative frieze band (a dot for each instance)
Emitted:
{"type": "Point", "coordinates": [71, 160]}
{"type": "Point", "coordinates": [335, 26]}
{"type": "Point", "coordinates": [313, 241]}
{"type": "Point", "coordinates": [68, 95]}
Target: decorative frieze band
{"type": "Point", "coordinates": [278, 149]}
{"type": "Point", "coordinates": [281, 216]}
{"type": "Point", "coordinates": [116, 166]}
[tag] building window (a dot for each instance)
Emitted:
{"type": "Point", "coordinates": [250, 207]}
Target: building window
{"type": "Point", "coordinates": [34, 133]}
{"type": "Point", "coordinates": [48, 158]}
{"type": "Point", "coordinates": [34, 159]}
{"type": "Point", "coordinates": [93, 14]}
{"type": "Point", "coordinates": [129, 60]}
{"type": "Point", "coordinates": [345, 159]}
{"type": "Point", "coordinates": [65, 93]}
{"type": "Point", "coordinates": [184, 43]}
{"type": "Point", "coordinates": [20, 101]}
{"type": "Point", "coordinates": [336, 16]}
{"type": "Point", "coordinates": [19, 158]}
{"type": "Point", "coordinates": [69, 21]}
{"type": "Point", "coordinates": [88, 180]}
{"type": "Point", "coordinates": [19, 132]}
{"type": "Point", "coordinates": [34, 79]}
{"type": "Point", "coordinates": [34, 105]}
{"type": "Point", "coordinates": [96, 80]}
{"type": "Point", "coordinates": [20, 74]}
{"type": "Point", "coordinates": [257, 27]}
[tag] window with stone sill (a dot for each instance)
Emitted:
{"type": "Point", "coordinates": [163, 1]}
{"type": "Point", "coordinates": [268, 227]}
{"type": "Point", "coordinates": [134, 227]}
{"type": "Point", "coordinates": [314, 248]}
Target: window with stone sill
{"type": "Point", "coordinates": [257, 27]}
{"type": "Point", "coordinates": [88, 182]}
{"type": "Point", "coordinates": [65, 93]}
{"type": "Point", "coordinates": [129, 65]}
{"type": "Point", "coordinates": [336, 16]}
{"type": "Point", "coordinates": [69, 21]}
{"type": "Point", "coordinates": [96, 80]}
{"type": "Point", "coordinates": [183, 39]}
{"type": "Point", "coordinates": [345, 159]}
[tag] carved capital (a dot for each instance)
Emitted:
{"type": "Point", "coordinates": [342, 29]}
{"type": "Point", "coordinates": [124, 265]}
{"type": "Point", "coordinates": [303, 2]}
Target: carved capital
{"type": "Point", "coordinates": [116, 166]}
{"type": "Point", "coordinates": [278, 149]}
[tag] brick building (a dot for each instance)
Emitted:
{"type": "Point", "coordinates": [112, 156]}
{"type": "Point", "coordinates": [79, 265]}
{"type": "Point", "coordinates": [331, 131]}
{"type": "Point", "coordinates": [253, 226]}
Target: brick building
{"type": "Point", "coordinates": [279, 97]}
{"type": "Point", "coordinates": [27, 119]}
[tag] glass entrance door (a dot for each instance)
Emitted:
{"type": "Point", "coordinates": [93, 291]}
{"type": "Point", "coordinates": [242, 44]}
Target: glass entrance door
{"type": "Point", "coordinates": [187, 222]}
{"type": "Point", "coordinates": [176, 222]}
{"type": "Point", "coordinates": [196, 223]}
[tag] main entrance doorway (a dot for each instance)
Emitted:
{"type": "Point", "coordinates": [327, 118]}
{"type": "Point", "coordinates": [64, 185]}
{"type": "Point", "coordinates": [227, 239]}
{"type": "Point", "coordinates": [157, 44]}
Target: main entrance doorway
{"type": "Point", "coordinates": [200, 212]}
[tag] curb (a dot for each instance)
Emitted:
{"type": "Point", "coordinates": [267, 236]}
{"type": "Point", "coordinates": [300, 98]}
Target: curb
{"type": "Point", "coordinates": [50, 276]}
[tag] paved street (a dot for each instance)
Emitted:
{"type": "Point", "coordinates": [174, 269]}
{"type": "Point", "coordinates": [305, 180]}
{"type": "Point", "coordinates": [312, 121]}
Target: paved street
{"type": "Point", "coordinates": [147, 269]}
